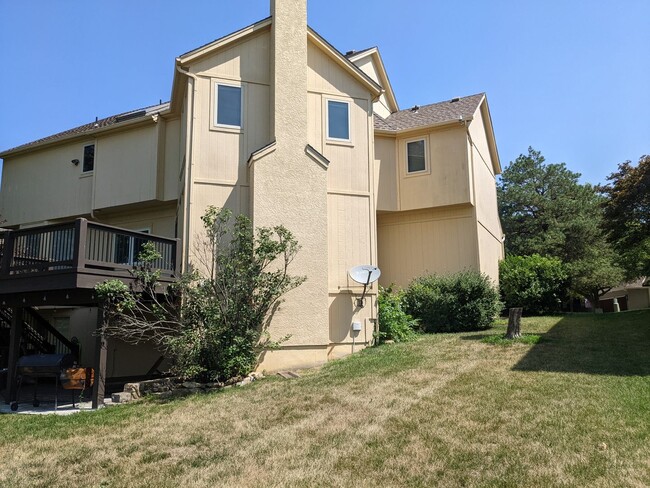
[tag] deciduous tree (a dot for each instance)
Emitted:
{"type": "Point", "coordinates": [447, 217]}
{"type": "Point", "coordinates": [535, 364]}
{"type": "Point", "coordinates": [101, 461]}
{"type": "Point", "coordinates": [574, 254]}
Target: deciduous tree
{"type": "Point", "coordinates": [213, 322]}
{"type": "Point", "coordinates": [627, 215]}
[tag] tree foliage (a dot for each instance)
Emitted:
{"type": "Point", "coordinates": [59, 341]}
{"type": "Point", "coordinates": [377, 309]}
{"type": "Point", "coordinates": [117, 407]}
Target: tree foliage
{"type": "Point", "coordinates": [213, 322]}
{"type": "Point", "coordinates": [536, 283]}
{"type": "Point", "coordinates": [545, 210]}
{"type": "Point", "coordinates": [627, 215]}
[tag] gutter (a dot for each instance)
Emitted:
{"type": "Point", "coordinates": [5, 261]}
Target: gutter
{"type": "Point", "coordinates": [399, 132]}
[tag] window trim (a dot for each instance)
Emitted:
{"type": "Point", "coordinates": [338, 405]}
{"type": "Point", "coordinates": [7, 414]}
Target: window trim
{"type": "Point", "coordinates": [327, 121]}
{"type": "Point", "coordinates": [427, 168]}
{"type": "Point", "coordinates": [215, 105]}
{"type": "Point", "coordinates": [83, 157]}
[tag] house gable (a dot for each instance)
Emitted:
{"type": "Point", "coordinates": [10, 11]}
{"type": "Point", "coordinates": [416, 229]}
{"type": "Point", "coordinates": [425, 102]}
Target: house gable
{"type": "Point", "coordinates": [370, 62]}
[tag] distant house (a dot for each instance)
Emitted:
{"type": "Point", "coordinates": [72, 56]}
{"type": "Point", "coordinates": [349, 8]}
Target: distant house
{"type": "Point", "coordinates": [273, 122]}
{"type": "Point", "coordinates": [630, 296]}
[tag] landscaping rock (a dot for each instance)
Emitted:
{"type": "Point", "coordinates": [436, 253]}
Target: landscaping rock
{"type": "Point", "coordinates": [233, 381]}
{"type": "Point", "coordinates": [163, 395]}
{"type": "Point", "coordinates": [121, 397]}
{"type": "Point", "coordinates": [133, 389]}
{"type": "Point", "coordinates": [191, 385]}
{"type": "Point", "coordinates": [245, 381]}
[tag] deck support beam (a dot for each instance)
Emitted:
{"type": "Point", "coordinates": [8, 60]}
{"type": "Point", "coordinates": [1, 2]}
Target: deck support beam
{"type": "Point", "coordinates": [99, 385]}
{"type": "Point", "coordinates": [14, 352]}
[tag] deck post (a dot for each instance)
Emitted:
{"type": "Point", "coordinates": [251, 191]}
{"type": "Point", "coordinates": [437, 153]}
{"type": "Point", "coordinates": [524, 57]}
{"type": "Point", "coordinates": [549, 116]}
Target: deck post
{"type": "Point", "coordinates": [79, 251]}
{"type": "Point", "coordinates": [14, 352]}
{"type": "Point", "coordinates": [100, 362]}
{"type": "Point", "coordinates": [7, 253]}
{"type": "Point", "coordinates": [178, 259]}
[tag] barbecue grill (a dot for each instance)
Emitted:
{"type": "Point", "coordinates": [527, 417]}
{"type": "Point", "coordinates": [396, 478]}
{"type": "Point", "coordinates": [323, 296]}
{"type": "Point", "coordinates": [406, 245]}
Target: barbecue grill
{"type": "Point", "coordinates": [43, 366]}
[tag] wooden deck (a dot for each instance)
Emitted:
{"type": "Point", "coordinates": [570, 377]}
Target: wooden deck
{"type": "Point", "coordinates": [76, 256]}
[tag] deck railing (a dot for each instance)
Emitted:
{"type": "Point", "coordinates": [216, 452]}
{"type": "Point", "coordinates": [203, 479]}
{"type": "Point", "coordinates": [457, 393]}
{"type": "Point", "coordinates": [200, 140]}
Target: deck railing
{"type": "Point", "coordinates": [81, 245]}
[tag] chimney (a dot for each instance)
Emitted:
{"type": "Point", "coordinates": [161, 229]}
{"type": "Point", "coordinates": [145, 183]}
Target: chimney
{"type": "Point", "coordinates": [289, 71]}
{"type": "Point", "coordinates": [289, 187]}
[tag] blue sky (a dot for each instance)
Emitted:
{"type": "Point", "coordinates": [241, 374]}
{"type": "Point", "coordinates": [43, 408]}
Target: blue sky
{"type": "Point", "coordinates": [570, 78]}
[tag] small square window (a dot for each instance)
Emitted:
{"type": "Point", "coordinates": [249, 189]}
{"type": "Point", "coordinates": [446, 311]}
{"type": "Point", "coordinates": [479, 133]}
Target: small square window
{"type": "Point", "coordinates": [89, 158]}
{"type": "Point", "coordinates": [228, 105]}
{"type": "Point", "coordinates": [338, 120]}
{"type": "Point", "coordinates": [416, 156]}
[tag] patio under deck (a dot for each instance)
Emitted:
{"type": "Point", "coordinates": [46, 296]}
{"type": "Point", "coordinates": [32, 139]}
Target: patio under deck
{"type": "Point", "coordinates": [60, 265]}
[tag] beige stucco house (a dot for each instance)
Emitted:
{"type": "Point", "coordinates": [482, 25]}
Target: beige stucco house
{"type": "Point", "coordinates": [273, 122]}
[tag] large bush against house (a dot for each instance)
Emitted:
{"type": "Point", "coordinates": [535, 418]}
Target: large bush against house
{"type": "Point", "coordinates": [536, 283]}
{"type": "Point", "coordinates": [394, 323]}
{"type": "Point", "coordinates": [460, 302]}
{"type": "Point", "coordinates": [213, 323]}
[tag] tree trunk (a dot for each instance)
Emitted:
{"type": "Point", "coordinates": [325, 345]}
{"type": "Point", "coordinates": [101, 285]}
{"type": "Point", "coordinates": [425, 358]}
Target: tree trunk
{"type": "Point", "coordinates": [514, 323]}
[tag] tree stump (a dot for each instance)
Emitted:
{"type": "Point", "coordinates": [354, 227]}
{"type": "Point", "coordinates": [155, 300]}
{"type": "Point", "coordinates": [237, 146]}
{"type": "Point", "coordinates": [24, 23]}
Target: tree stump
{"type": "Point", "coordinates": [514, 323]}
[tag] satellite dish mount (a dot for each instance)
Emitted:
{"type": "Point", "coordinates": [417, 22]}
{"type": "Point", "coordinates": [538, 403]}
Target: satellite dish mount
{"type": "Point", "coordinates": [365, 274]}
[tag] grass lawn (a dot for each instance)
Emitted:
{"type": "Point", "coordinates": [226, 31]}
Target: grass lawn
{"type": "Point", "coordinates": [569, 409]}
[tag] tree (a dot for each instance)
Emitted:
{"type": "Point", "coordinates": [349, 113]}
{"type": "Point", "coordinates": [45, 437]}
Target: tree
{"type": "Point", "coordinates": [545, 210]}
{"type": "Point", "coordinates": [627, 215]}
{"type": "Point", "coordinates": [536, 283]}
{"type": "Point", "coordinates": [214, 321]}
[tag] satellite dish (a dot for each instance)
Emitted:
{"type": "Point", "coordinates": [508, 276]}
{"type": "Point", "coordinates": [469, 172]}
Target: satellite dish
{"type": "Point", "coordinates": [364, 274]}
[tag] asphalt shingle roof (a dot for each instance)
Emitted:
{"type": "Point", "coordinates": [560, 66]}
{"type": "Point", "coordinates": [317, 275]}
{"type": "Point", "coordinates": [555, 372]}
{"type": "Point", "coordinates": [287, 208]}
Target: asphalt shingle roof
{"type": "Point", "coordinates": [98, 124]}
{"type": "Point", "coordinates": [430, 114]}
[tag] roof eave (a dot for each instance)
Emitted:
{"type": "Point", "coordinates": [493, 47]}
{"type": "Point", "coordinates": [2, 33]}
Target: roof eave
{"type": "Point", "coordinates": [144, 120]}
{"type": "Point", "coordinates": [344, 62]}
{"type": "Point", "coordinates": [388, 88]}
{"type": "Point", "coordinates": [437, 125]}
{"type": "Point", "coordinates": [494, 151]}
{"type": "Point", "coordinates": [209, 48]}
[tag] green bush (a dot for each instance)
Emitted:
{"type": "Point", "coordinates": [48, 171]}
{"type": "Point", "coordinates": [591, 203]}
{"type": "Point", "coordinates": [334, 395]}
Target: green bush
{"type": "Point", "coordinates": [394, 323]}
{"type": "Point", "coordinates": [461, 302]}
{"type": "Point", "coordinates": [536, 283]}
{"type": "Point", "coordinates": [213, 323]}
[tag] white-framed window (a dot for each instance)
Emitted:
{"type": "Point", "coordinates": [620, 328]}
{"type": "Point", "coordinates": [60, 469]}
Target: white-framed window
{"type": "Point", "coordinates": [88, 164]}
{"type": "Point", "coordinates": [338, 120]}
{"type": "Point", "coordinates": [228, 105]}
{"type": "Point", "coordinates": [416, 156]}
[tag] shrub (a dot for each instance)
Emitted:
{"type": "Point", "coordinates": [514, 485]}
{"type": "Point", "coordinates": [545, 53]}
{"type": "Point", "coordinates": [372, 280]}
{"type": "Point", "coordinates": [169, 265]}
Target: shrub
{"type": "Point", "coordinates": [536, 283]}
{"type": "Point", "coordinates": [394, 323]}
{"type": "Point", "coordinates": [461, 302]}
{"type": "Point", "coordinates": [213, 323]}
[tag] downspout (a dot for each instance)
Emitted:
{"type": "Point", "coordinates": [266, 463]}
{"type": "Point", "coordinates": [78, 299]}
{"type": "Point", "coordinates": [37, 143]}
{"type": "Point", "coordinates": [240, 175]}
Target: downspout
{"type": "Point", "coordinates": [189, 132]}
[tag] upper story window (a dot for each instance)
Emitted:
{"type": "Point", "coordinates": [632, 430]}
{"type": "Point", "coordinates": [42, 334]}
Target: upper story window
{"type": "Point", "coordinates": [338, 120]}
{"type": "Point", "coordinates": [89, 159]}
{"type": "Point", "coordinates": [416, 156]}
{"type": "Point", "coordinates": [228, 105]}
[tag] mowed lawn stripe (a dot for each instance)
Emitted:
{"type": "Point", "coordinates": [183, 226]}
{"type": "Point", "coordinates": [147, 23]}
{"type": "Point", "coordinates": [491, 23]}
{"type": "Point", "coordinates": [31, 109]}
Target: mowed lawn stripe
{"type": "Point", "coordinates": [447, 410]}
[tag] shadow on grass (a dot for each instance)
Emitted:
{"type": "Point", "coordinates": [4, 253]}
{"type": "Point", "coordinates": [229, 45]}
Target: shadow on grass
{"type": "Point", "coordinates": [609, 344]}
{"type": "Point", "coordinates": [478, 337]}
